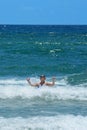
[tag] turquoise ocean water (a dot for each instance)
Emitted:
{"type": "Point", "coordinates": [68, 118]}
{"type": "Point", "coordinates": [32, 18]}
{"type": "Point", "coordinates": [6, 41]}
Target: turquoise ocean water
{"type": "Point", "coordinates": [32, 50]}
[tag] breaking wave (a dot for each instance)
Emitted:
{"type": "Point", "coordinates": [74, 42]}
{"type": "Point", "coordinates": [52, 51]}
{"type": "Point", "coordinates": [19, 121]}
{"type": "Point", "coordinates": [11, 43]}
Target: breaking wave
{"type": "Point", "coordinates": [61, 122]}
{"type": "Point", "coordinates": [13, 88]}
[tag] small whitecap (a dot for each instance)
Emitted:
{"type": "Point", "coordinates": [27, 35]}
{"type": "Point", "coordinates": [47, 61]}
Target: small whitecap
{"type": "Point", "coordinates": [52, 51]}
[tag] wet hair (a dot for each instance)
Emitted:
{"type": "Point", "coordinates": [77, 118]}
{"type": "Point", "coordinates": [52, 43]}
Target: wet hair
{"type": "Point", "coordinates": [42, 76]}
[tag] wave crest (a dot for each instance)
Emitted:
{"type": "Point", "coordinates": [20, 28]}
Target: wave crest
{"type": "Point", "coordinates": [62, 91]}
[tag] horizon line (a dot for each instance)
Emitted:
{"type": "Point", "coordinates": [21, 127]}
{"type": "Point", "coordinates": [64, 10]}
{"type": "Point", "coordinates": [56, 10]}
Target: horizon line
{"type": "Point", "coordinates": [47, 24]}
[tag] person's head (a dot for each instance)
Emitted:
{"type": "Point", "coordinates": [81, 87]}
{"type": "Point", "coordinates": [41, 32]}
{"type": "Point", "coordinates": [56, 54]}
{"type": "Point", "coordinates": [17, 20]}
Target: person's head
{"type": "Point", "coordinates": [42, 78]}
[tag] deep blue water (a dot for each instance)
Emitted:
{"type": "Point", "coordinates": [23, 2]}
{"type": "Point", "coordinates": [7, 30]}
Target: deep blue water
{"type": "Point", "coordinates": [32, 50]}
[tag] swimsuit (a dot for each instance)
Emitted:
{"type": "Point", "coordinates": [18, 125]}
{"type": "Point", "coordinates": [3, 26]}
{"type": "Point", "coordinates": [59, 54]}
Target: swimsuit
{"type": "Point", "coordinates": [40, 85]}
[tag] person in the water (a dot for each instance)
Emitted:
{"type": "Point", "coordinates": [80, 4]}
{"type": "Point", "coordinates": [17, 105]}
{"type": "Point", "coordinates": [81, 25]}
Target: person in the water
{"type": "Point", "coordinates": [42, 82]}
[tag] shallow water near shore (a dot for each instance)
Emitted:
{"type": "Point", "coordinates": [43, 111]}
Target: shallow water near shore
{"type": "Point", "coordinates": [29, 51]}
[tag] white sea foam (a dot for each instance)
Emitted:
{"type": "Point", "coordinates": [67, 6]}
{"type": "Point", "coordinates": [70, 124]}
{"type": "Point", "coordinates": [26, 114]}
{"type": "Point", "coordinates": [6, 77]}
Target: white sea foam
{"type": "Point", "coordinates": [13, 88]}
{"type": "Point", "coordinates": [61, 122]}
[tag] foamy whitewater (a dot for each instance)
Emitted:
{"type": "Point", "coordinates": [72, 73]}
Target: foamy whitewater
{"type": "Point", "coordinates": [61, 122]}
{"type": "Point", "coordinates": [54, 51]}
{"type": "Point", "coordinates": [14, 88]}
{"type": "Point", "coordinates": [19, 93]}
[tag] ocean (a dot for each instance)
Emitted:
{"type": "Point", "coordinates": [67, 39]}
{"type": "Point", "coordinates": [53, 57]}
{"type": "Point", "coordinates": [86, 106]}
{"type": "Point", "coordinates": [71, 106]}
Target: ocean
{"type": "Point", "coordinates": [52, 50]}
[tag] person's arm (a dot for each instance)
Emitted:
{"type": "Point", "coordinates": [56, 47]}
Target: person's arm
{"type": "Point", "coordinates": [51, 84]}
{"type": "Point", "coordinates": [33, 85]}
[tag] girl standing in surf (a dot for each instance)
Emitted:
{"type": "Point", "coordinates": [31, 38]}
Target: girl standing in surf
{"type": "Point", "coordinates": [42, 82]}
